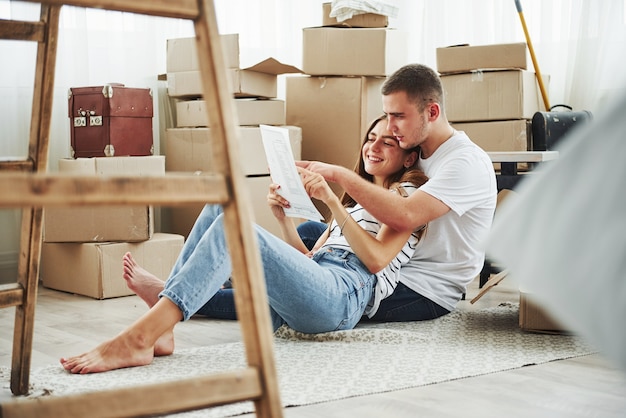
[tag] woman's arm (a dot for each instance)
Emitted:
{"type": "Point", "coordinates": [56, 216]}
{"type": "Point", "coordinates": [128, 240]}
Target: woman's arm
{"type": "Point", "coordinates": [375, 252]}
{"type": "Point", "coordinates": [287, 227]}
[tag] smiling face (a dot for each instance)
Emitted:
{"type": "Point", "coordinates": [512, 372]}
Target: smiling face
{"type": "Point", "coordinates": [382, 154]}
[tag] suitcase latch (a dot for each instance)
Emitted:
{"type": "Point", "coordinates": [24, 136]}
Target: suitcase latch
{"type": "Point", "coordinates": [81, 119]}
{"type": "Point", "coordinates": [94, 120]}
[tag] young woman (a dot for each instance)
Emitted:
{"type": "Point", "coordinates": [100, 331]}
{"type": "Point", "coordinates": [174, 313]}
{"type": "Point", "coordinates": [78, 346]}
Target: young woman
{"type": "Point", "coordinates": [352, 268]}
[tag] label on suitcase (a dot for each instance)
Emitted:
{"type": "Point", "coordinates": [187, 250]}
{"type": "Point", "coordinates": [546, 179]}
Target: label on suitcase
{"type": "Point", "coordinates": [110, 120]}
{"type": "Point", "coordinates": [549, 127]}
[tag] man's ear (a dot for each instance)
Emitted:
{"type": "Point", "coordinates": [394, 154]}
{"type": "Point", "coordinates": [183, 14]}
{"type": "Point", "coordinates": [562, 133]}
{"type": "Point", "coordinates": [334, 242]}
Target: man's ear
{"type": "Point", "coordinates": [434, 110]}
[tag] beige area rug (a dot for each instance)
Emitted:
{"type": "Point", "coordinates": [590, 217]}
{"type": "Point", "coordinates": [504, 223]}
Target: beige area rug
{"type": "Point", "coordinates": [373, 358]}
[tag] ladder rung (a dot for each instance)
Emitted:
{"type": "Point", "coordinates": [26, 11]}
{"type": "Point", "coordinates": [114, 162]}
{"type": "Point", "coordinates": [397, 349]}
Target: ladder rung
{"type": "Point", "coordinates": [155, 399]}
{"type": "Point", "coordinates": [22, 30]}
{"type": "Point", "coordinates": [11, 294]}
{"type": "Point", "coordinates": [14, 164]}
{"type": "Point", "coordinates": [184, 9]}
{"type": "Point", "coordinates": [171, 189]}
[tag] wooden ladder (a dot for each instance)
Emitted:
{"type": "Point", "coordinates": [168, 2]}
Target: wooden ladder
{"type": "Point", "coordinates": [26, 183]}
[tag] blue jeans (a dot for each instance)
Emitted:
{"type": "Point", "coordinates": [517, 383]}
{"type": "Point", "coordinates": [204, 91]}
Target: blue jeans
{"type": "Point", "coordinates": [403, 305]}
{"type": "Point", "coordinates": [327, 293]}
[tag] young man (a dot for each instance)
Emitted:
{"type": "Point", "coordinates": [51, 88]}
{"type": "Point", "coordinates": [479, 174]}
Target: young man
{"type": "Point", "coordinates": [457, 203]}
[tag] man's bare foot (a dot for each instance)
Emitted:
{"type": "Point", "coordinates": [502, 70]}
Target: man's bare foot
{"type": "Point", "coordinates": [122, 351]}
{"type": "Point", "coordinates": [145, 284]}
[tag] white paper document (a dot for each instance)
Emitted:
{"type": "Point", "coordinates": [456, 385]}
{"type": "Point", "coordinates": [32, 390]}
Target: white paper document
{"type": "Point", "coordinates": [284, 173]}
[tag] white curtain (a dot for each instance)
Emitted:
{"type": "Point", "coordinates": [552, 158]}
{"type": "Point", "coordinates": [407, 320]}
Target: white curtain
{"type": "Point", "coordinates": [581, 44]}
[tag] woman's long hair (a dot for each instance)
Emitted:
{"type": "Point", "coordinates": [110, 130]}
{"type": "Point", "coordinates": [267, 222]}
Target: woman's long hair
{"type": "Point", "coordinates": [410, 174]}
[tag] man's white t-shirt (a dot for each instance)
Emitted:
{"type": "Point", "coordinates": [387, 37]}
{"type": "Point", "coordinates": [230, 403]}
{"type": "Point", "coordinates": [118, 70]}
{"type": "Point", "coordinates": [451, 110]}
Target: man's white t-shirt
{"type": "Point", "coordinates": [451, 252]}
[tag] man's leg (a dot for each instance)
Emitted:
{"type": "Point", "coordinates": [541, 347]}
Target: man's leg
{"type": "Point", "coordinates": [406, 305]}
{"type": "Point", "coordinates": [310, 231]}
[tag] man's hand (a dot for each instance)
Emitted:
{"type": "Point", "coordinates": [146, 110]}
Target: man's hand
{"type": "Point", "coordinates": [328, 171]}
{"type": "Point", "coordinates": [316, 186]}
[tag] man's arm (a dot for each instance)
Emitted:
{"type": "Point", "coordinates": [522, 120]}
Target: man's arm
{"type": "Point", "coordinates": [393, 210]}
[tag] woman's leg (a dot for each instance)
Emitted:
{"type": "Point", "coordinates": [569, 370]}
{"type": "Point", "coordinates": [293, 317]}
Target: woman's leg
{"type": "Point", "coordinates": [327, 293]}
{"type": "Point", "coordinates": [132, 347]}
{"type": "Point", "coordinates": [301, 293]}
{"type": "Point", "coordinates": [406, 305]}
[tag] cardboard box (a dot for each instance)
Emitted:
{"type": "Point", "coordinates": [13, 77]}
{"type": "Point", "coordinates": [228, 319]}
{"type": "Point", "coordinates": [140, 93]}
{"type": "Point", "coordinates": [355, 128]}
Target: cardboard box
{"type": "Point", "coordinates": [259, 80]}
{"type": "Point", "coordinates": [492, 95]}
{"type": "Point", "coordinates": [193, 113]}
{"type": "Point", "coordinates": [534, 318]}
{"type": "Point", "coordinates": [189, 149]}
{"type": "Point", "coordinates": [505, 135]}
{"type": "Point", "coordinates": [103, 223]}
{"type": "Point", "coordinates": [353, 51]}
{"type": "Point", "coordinates": [334, 114]}
{"type": "Point", "coordinates": [95, 269]}
{"type": "Point", "coordinates": [182, 218]}
{"type": "Point", "coordinates": [466, 58]}
{"type": "Point", "coordinates": [364, 20]}
{"type": "Point", "coordinates": [182, 54]}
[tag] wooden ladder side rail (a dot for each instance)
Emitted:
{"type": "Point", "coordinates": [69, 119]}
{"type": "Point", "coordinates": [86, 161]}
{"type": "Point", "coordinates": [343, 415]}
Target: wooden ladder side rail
{"type": "Point", "coordinates": [248, 276]}
{"type": "Point", "coordinates": [251, 298]}
{"type": "Point", "coordinates": [44, 32]}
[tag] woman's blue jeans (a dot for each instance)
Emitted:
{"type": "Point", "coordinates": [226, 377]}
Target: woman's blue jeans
{"type": "Point", "coordinates": [403, 305]}
{"type": "Point", "coordinates": [327, 293]}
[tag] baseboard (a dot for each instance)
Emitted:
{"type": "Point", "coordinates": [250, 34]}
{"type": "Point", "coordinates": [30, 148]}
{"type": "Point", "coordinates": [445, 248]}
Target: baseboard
{"type": "Point", "coordinates": [8, 267]}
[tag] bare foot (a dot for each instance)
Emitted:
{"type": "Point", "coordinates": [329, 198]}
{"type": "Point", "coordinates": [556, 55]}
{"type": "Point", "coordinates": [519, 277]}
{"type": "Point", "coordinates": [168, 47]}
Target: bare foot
{"type": "Point", "coordinates": [122, 351]}
{"type": "Point", "coordinates": [145, 284]}
{"type": "Point", "coordinates": [165, 344]}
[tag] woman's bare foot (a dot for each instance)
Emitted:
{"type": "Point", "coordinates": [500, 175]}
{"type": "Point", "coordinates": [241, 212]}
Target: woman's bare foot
{"type": "Point", "coordinates": [122, 351]}
{"type": "Point", "coordinates": [145, 284]}
{"type": "Point", "coordinates": [165, 344]}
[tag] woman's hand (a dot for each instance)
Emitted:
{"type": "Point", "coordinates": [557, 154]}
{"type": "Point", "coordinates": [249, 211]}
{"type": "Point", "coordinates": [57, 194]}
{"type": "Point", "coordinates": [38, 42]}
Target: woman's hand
{"type": "Point", "coordinates": [276, 202]}
{"type": "Point", "coordinates": [316, 186]}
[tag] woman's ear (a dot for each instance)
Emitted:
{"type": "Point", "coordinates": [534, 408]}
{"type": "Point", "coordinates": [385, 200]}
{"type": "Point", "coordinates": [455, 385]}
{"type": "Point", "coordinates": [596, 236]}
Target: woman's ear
{"type": "Point", "coordinates": [410, 159]}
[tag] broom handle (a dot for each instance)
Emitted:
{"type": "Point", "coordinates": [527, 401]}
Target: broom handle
{"type": "Point", "coordinates": [518, 5]}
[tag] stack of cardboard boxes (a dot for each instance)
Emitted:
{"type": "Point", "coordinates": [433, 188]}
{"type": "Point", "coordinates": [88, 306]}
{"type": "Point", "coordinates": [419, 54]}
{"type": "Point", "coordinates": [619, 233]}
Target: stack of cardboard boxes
{"type": "Point", "coordinates": [490, 94]}
{"type": "Point", "coordinates": [188, 145]}
{"type": "Point", "coordinates": [83, 246]}
{"type": "Point", "coordinates": [338, 95]}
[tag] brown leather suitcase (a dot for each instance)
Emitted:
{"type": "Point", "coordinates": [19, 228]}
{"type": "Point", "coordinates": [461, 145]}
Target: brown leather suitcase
{"type": "Point", "coordinates": [110, 120]}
